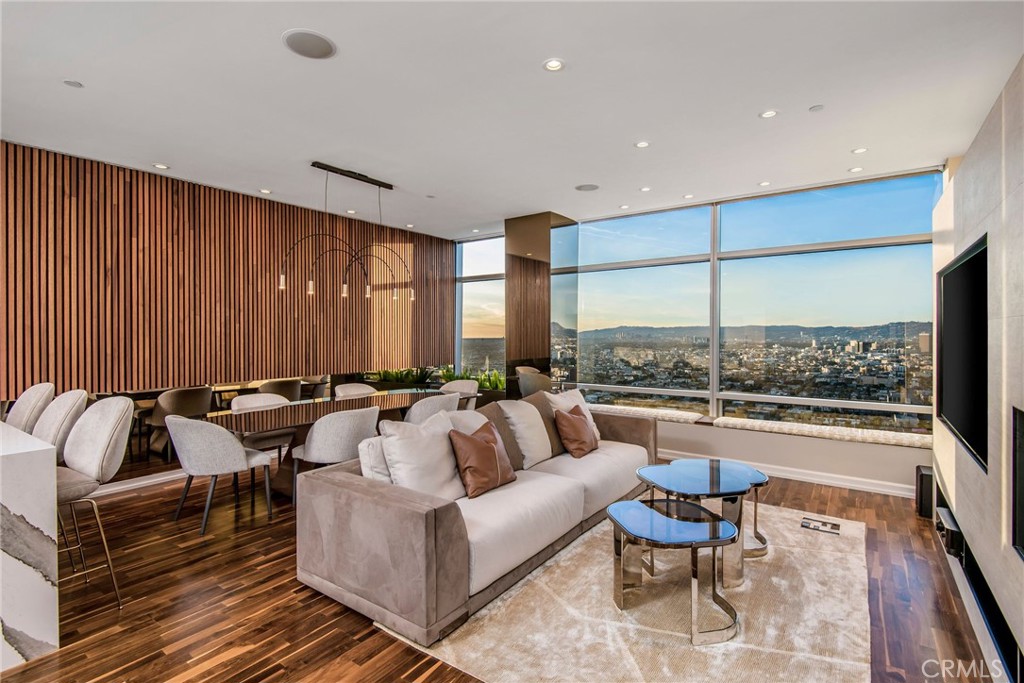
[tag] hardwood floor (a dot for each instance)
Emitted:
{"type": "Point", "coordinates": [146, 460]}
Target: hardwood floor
{"type": "Point", "coordinates": [227, 607]}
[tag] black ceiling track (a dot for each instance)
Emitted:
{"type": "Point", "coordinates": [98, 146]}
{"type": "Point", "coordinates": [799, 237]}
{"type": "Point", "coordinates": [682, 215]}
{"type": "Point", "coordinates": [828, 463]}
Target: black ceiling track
{"type": "Point", "coordinates": [352, 174]}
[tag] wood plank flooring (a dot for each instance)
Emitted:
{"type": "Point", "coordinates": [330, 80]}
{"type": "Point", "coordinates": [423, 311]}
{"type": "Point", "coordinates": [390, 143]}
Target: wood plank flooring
{"type": "Point", "coordinates": [227, 607]}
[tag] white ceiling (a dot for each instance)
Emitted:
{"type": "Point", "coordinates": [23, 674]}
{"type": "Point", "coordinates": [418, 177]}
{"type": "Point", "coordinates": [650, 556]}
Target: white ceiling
{"type": "Point", "coordinates": [450, 99]}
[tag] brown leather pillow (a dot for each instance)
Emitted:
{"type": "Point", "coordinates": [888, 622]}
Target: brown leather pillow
{"type": "Point", "coordinates": [482, 460]}
{"type": "Point", "coordinates": [575, 432]}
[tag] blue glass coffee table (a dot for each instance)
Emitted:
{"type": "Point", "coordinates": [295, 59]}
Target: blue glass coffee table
{"type": "Point", "coordinates": [757, 479]}
{"type": "Point", "coordinates": [700, 480]}
{"type": "Point", "coordinates": [641, 526]}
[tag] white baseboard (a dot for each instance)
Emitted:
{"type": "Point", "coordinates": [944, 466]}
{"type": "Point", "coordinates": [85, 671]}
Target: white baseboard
{"type": "Point", "coordinates": [138, 482]}
{"type": "Point", "coordinates": [828, 478]}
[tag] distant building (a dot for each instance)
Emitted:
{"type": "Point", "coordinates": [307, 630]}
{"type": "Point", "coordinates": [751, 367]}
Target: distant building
{"type": "Point", "coordinates": [924, 342]}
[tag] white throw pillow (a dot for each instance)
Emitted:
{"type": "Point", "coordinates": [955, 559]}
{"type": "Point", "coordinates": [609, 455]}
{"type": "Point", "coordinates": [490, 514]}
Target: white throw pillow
{"type": "Point", "coordinates": [420, 457]}
{"type": "Point", "coordinates": [528, 427]}
{"type": "Point", "coordinates": [371, 459]}
{"type": "Point", "coordinates": [466, 421]}
{"type": "Point", "coordinates": [565, 402]}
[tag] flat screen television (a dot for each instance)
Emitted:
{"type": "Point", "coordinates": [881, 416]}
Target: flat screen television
{"type": "Point", "coordinates": [962, 363]}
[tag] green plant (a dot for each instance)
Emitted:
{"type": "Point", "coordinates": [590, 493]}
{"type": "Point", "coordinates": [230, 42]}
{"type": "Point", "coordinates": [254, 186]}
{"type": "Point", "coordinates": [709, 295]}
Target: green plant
{"type": "Point", "coordinates": [447, 374]}
{"type": "Point", "coordinates": [401, 376]}
{"type": "Point", "coordinates": [491, 381]}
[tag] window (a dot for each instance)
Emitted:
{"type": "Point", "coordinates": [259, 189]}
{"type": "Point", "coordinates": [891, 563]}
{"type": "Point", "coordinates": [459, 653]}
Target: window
{"type": "Point", "coordinates": [645, 327]}
{"type": "Point", "coordinates": [900, 206]}
{"type": "Point", "coordinates": [844, 325]}
{"type": "Point", "coordinates": [646, 236]}
{"type": "Point", "coordinates": [822, 301]}
{"type": "Point", "coordinates": [481, 301]}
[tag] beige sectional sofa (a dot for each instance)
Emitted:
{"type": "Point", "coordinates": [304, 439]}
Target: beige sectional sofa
{"type": "Point", "coordinates": [421, 564]}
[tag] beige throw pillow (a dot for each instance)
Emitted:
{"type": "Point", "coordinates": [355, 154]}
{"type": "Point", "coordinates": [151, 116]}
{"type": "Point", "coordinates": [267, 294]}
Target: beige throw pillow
{"type": "Point", "coordinates": [528, 428]}
{"type": "Point", "coordinates": [420, 457]}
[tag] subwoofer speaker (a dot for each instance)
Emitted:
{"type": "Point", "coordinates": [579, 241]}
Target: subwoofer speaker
{"type": "Point", "coordinates": [925, 491]}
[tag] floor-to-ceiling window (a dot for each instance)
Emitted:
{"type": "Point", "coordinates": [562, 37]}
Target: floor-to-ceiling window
{"type": "Point", "coordinates": [811, 306]}
{"type": "Point", "coordinates": [480, 295]}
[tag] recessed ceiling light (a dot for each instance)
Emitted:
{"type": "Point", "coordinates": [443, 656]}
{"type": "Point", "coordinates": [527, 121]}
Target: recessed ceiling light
{"type": "Point", "coordinates": [529, 253]}
{"type": "Point", "coordinates": [587, 187]}
{"type": "Point", "coordinates": [768, 114]}
{"type": "Point", "coordinates": [475, 230]}
{"type": "Point", "coordinates": [687, 196]}
{"type": "Point", "coordinates": [624, 206]}
{"type": "Point", "coordinates": [409, 225]}
{"type": "Point", "coordinates": [641, 144]}
{"type": "Point", "coordinates": [72, 84]}
{"type": "Point", "coordinates": [310, 44]}
{"type": "Point", "coordinates": [264, 190]}
{"type": "Point", "coordinates": [352, 211]}
{"type": "Point", "coordinates": [645, 189]}
{"type": "Point", "coordinates": [162, 167]}
{"type": "Point", "coordinates": [856, 169]}
{"type": "Point", "coordinates": [859, 150]}
{"type": "Point", "coordinates": [553, 64]}
{"type": "Point", "coordinates": [814, 109]}
{"type": "Point", "coordinates": [764, 183]}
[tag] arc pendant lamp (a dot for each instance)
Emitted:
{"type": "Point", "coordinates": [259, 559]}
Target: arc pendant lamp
{"type": "Point", "coordinates": [355, 256]}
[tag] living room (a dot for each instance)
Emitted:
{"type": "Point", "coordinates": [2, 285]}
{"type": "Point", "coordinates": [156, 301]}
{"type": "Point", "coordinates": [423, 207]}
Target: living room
{"type": "Point", "coordinates": [621, 341]}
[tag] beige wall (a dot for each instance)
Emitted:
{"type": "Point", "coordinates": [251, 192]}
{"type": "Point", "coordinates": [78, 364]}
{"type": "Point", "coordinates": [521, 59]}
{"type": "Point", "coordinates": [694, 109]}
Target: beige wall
{"type": "Point", "coordinates": [986, 196]}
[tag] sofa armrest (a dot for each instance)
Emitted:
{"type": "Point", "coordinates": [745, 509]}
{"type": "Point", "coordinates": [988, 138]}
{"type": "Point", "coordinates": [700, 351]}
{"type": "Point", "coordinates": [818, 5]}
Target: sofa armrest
{"type": "Point", "coordinates": [643, 431]}
{"type": "Point", "coordinates": [397, 555]}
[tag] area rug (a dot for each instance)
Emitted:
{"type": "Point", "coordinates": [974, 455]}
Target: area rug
{"type": "Point", "coordinates": [803, 613]}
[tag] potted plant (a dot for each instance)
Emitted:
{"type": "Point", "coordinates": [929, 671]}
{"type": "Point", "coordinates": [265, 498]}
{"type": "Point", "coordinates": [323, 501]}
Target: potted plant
{"type": "Point", "coordinates": [403, 378]}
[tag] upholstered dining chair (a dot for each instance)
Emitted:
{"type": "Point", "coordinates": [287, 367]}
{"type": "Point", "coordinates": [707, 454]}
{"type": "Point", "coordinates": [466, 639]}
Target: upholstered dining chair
{"type": "Point", "coordinates": [422, 409]}
{"type": "Point", "coordinates": [316, 386]}
{"type": "Point", "coordinates": [463, 386]}
{"type": "Point", "coordinates": [353, 390]}
{"type": "Point", "coordinates": [525, 370]}
{"type": "Point", "coordinates": [93, 454]}
{"type": "Point", "coordinates": [261, 441]}
{"type": "Point", "coordinates": [209, 450]}
{"type": "Point", "coordinates": [190, 402]}
{"type": "Point", "coordinates": [55, 424]}
{"type": "Point", "coordinates": [334, 438]}
{"type": "Point", "coordinates": [30, 405]}
{"type": "Point", "coordinates": [531, 383]}
{"type": "Point", "coordinates": [291, 389]}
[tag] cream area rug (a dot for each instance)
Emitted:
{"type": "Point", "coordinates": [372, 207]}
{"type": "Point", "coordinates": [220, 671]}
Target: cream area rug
{"type": "Point", "coordinates": [803, 613]}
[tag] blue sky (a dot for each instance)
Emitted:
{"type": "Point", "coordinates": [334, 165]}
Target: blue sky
{"type": "Point", "coordinates": [855, 287]}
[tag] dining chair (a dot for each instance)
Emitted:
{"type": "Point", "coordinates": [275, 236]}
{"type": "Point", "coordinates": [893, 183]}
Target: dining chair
{"type": "Point", "coordinates": [424, 408]}
{"type": "Point", "coordinates": [291, 389]}
{"type": "Point", "coordinates": [93, 454]}
{"type": "Point", "coordinates": [531, 383]}
{"type": "Point", "coordinates": [56, 422]}
{"type": "Point", "coordinates": [353, 390]}
{"type": "Point", "coordinates": [261, 441]}
{"type": "Point", "coordinates": [463, 386]}
{"type": "Point", "coordinates": [190, 402]}
{"type": "Point", "coordinates": [334, 438]}
{"type": "Point", "coordinates": [525, 370]}
{"type": "Point", "coordinates": [30, 405]}
{"type": "Point", "coordinates": [209, 450]}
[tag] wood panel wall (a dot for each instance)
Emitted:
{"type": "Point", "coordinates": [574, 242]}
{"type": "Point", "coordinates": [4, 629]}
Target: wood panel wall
{"type": "Point", "coordinates": [527, 310]}
{"type": "Point", "coordinates": [118, 279]}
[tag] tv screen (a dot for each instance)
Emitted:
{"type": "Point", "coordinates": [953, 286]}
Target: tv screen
{"type": "Point", "coordinates": [963, 349]}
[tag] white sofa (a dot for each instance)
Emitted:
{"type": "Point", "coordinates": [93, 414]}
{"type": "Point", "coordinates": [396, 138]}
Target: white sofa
{"type": "Point", "coordinates": [421, 564]}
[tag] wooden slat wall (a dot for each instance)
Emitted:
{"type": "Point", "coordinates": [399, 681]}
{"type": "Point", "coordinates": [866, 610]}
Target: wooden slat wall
{"type": "Point", "coordinates": [117, 279]}
{"type": "Point", "coordinates": [527, 309]}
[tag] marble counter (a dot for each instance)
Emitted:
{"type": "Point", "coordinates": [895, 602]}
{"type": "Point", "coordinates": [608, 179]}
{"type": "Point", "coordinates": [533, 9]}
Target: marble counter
{"type": "Point", "coordinates": [28, 547]}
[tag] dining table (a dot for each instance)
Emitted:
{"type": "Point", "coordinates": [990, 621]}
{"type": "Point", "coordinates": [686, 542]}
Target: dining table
{"type": "Point", "coordinates": [301, 415]}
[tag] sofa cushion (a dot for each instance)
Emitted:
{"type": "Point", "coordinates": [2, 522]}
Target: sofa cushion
{"type": "Point", "coordinates": [540, 401]}
{"type": "Point", "coordinates": [607, 474]}
{"type": "Point", "coordinates": [511, 524]}
{"type": "Point", "coordinates": [420, 457]}
{"type": "Point", "coordinates": [567, 399]}
{"type": "Point", "coordinates": [371, 459]}
{"type": "Point", "coordinates": [482, 460]}
{"type": "Point", "coordinates": [528, 427]}
{"type": "Point", "coordinates": [575, 432]}
{"type": "Point", "coordinates": [494, 413]}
